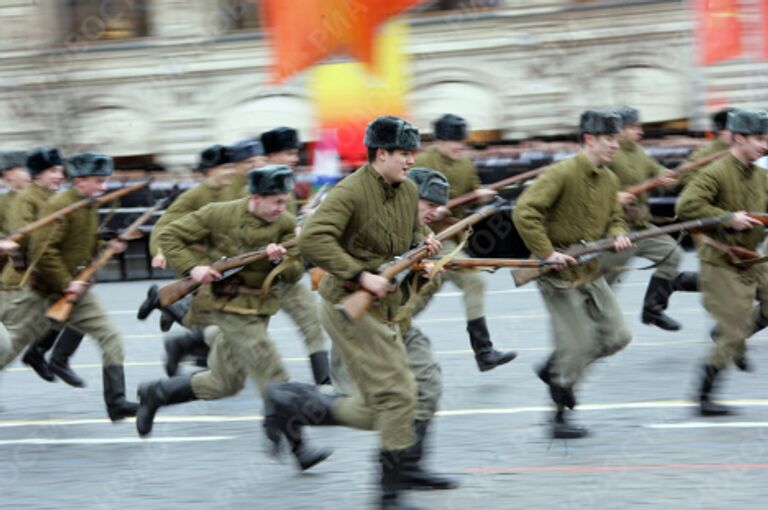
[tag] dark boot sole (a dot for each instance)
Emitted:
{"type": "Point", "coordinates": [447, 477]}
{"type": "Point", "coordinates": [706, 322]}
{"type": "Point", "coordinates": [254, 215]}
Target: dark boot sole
{"type": "Point", "coordinates": [485, 366]}
{"type": "Point", "coordinates": [660, 324]}
{"type": "Point", "coordinates": [127, 410]}
{"type": "Point", "coordinates": [68, 376]}
{"type": "Point", "coordinates": [39, 365]}
{"type": "Point", "coordinates": [308, 460]}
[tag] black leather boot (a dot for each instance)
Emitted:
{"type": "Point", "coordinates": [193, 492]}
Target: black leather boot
{"type": "Point", "coordinates": [414, 476]}
{"type": "Point", "coordinates": [293, 406]}
{"type": "Point", "coordinates": [151, 302]}
{"type": "Point", "coordinates": [160, 393]}
{"type": "Point", "coordinates": [34, 357]}
{"type": "Point", "coordinates": [180, 345]}
{"type": "Point", "coordinates": [706, 406]}
{"type": "Point", "coordinates": [562, 429]}
{"type": "Point", "coordinates": [66, 345]}
{"type": "Point", "coordinates": [321, 371]}
{"type": "Point", "coordinates": [391, 480]}
{"type": "Point", "coordinates": [114, 394]}
{"type": "Point", "coordinates": [686, 281]}
{"type": "Point", "coordinates": [174, 312]}
{"type": "Point", "coordinates": [560, 394]}
{"type": "Point", "coordinates": [486, 356]}
{"type": "Point", "coordinates": [655, 302]}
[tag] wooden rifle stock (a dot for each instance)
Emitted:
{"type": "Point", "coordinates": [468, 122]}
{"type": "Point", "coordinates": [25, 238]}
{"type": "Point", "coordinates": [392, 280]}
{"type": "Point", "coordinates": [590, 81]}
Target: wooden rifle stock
{"type": "Point", "coordinates": [62, 308]}
{"type": "Point", "coordinates": [66, 211]}
{"type": "Point", "coordinates": [357, 304]}
{"type": "Point", "coordinates": [472, 195]}
{"type": "Point", "coordinates": [172, 292]}
{"type": "Point", "coordinates": [683, 168]}
{"type": "Point", "coordinates": [586, 249]}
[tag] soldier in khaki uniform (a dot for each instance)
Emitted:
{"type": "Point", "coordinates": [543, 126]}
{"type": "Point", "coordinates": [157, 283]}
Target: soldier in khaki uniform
{"type": "Point", "coordinates": [240, 306]}
{"type": "Point", "coordinates": [366, 220]}
{"type": "Point", "coordinates": [65, 247]}
{"type": "Point", "coordinates": [731, 184]}
{"type": "Point", "coordinates": [723, 139]}
{"type": "Point", "coordinates": [46, 169]}
{"type": "Point", "coordinates": [447, 157]}
{"type": "Point", "coordinates": [246, 155]}
{"type": "Point", "coordinates": [15, 177]}
{"type": "Point", "coordinates": [574, 201]}
{"type": "Point", "coordinates": [6, 247]}
{"type": "Point", "coordinates": [632, 166]}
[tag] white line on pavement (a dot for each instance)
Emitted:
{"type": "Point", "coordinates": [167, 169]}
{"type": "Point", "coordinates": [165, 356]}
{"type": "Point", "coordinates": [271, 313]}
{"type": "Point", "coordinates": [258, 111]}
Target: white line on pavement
{"type": "Point", "coordinates": [110, 440]}
{"type": "Point", "coordinates": [657, 404]}
{"type": "Point", "coordinates": [709, 425]}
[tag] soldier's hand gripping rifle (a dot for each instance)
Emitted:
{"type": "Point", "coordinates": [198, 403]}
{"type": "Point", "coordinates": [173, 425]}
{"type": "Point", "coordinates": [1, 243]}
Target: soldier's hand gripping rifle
{"type": "Point", "coordinates": [61, 309]}
{"type": "Point", "coordinates": [66, 211]}
{"type": "Point", "coordinates": [172, 292]}
{"type": "Point", "coordinates": [586, 251]}
{"type": "Point", "coordinates": [680, 170]}
{"type": "Point", "coordinates": [356, 304]}
{"type": "Point", "coordinates": [515, 179]}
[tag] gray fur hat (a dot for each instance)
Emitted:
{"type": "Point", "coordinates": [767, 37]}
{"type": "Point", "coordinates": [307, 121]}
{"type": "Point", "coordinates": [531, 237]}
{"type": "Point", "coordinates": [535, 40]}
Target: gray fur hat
{"type": "Point", "coordinates": [270, 180]}
{"type": "Point", "coordinates": [748, 122]}
{"type": "Point", "coordinates": [432, 185]}
{"type": "Point", "coordinates": [600, 122]}
{"type": "Point", "coordinates": [245, 149]}
{"type": "Point", "coordinates": [87, 164]}
{"type": "Point", "coordinates": [628, 114]}
{"type": "Point", "coordinates": [391, 133]}
{"type": "Point", "coordinates": [280, 139]}
{"type": "Point", "coordinates": [213, 156]}
{"type": "Point", "coordinates": [450, 127]}
{"type": "Point", "coordinates": [43, 158]}
{"type": "Point", "coordinates": [12, 159]}
{"type": "Point", "coordinates": [720, 118]}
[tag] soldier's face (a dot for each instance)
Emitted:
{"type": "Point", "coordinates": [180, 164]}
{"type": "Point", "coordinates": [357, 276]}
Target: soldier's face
{"type": "Point", "coordinates": [51, 179]}
{"type": "Point", "coordinates": [289, 157]}
{"type": "Point", "coordinates": [91, 185]}
{"type": "Point", "coordinates": [251, 163]}
{"type": "Point", "coordinates": [633, 132]}
{"type": "Point", "coordinates": [752, 147]}
{"type": "Point", "coordinates": [427, 211]}
{"type": "Point", "coordinates": [453, 149]}
{"type": "Point", "coordinates": [602, 147]}
{"type": "Point", "coordinates": [268, 207]}
{"type": "Point", "coordinates": [393, 165]}
{"type": "Point", "coordinates": [222, 175]}
{"type": "Point", "coordinates": [16, 178]}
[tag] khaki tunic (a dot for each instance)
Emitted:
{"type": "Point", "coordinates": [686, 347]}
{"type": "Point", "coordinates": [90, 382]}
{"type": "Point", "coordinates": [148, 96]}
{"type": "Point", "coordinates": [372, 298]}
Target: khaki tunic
{"type": "Point", "coordinates": [715, 145]}
{"type": "Point", "coordinates": [363, 223]}
{"type": "Point", "coordinates": [570, 202]}
{"type": "Point", "coordinates": [729, 292]}
{"type": "Point", "coordinates": [5, 201]}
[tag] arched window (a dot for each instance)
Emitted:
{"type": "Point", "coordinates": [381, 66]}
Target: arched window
{"type": "Point", "coordinates": [106, 20]}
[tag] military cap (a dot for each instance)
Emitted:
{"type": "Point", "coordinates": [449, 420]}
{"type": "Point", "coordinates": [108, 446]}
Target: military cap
{"type": "Point", "coordinates": [12, 159]}
{"type": "Point", "coordinates": [245, 149]}
{"type": "Point", "coordinates": [270, 180]}
{"type": "Point", "coordinates": [391, 133]}
{"type": "Point", "coordinates": [628, 114]}
{"type": "Point", "coordinates": [280, 139]}
{"type": "Point", "coordinates": [432, 185]}
{"type": "Point", "coordinates": [720, 118]}
{"type": "Point", "coordinates": [450, 127]}
{"type": "Point", "coordinates": [600, 122]}
{"type": "Point", "coordinates": [43, 158]}
{"type": "Point", "coordinates": [747, 122]}
{"type": "Point", "coordinates": [213, 156]}
{"type": "Point", "coordinates": [87, 164]}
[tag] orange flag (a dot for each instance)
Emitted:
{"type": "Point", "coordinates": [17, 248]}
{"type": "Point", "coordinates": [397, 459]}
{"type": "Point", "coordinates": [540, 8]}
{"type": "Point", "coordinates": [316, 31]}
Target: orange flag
{"type": "Point", "coordinates": [719, 30]}
{"type": "Point", "coordinates": [303, 32]}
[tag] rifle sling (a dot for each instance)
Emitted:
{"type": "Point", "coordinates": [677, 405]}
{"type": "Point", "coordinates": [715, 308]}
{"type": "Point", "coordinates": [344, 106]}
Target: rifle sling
{"type": "Point", "coordinates": [731, 257]}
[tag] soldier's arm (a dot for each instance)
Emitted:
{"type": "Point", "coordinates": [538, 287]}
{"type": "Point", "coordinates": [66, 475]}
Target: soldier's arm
{"type": "Point", "coordinates": [697, 199]}
{"type": "Point", "coordinates": [184, 204]}
{"type": "Point", "coordinates": [616, 224]}
{"type": "Point", "coordinates": [294, 272]}
{"type": "Point", "coordinates": [320, 241]}
{"type": "Point", "coordinates": [531, 210]}
{"type": "Point", "coordinates": [20, 213]}
{"type": "Point", "coordinates": [176, 238]}
{"type": "Point", "coordinates": [50, 265]}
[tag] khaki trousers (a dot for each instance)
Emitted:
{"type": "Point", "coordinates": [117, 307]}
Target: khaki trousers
{"type": "Point", "coordinates": [299, 303]}
{"type": "Point", "coordinates": [375, 357]}
{"type": "Point", "coordinates": [662, 250]}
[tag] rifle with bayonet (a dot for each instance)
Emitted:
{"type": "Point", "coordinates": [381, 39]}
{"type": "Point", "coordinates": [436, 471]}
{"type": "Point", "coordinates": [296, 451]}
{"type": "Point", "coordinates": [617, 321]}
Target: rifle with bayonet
{"type": "Point", "coordinates": [676, 173]}
{"type": "Point", "coordinates": [62, 308]}
{"type": "Point", "coordinates": [356, 304]}
{"type": "Point", "coordinates": [587, 250]}
{"type": "Point", "coordinates": [66, 211]}
{"type": "Point", "coordinates": [172, 292]}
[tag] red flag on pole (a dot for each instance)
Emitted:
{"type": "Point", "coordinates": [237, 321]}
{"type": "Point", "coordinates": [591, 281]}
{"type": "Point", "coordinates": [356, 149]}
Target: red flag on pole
{"type": "Point", "coordinates": [719, 30]}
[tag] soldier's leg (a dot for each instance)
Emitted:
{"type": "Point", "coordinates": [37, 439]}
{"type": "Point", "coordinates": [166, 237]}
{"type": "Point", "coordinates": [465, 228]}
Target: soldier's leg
{"type": "Point", "coordinates": [89, 317]}
{"type": "Point", "coordinates": [5, 341]}
{"type": "Point", "coordinates": [300, 305]}
{"type": "Point", "coordinates": [472, 286]}
{"type": "Point", "coordinates": [576, 347]}
{"type": "Point", "coordinates": [612, 332]}
{"type": "Point", "coordinates": [343, 384]}
{"type": "Point", "coordinates": [67, 343]}
{"type": "Point", "coordinates": [664, 251]}
{"type": "Point", "coordinates": [613, 264]}
{"type": "Point", "coordinates": [728, 295]}
{"type": "Point", "coordinates": [25, 321]}
{"type": "Point", "coordinates": [34, 356]}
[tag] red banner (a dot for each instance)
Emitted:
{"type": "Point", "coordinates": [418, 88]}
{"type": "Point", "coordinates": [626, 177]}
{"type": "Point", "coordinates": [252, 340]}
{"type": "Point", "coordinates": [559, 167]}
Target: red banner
{"type": "Point", "coordinates": [719, 30]}
{"type": "Point", "coordinates": [763, 28]}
